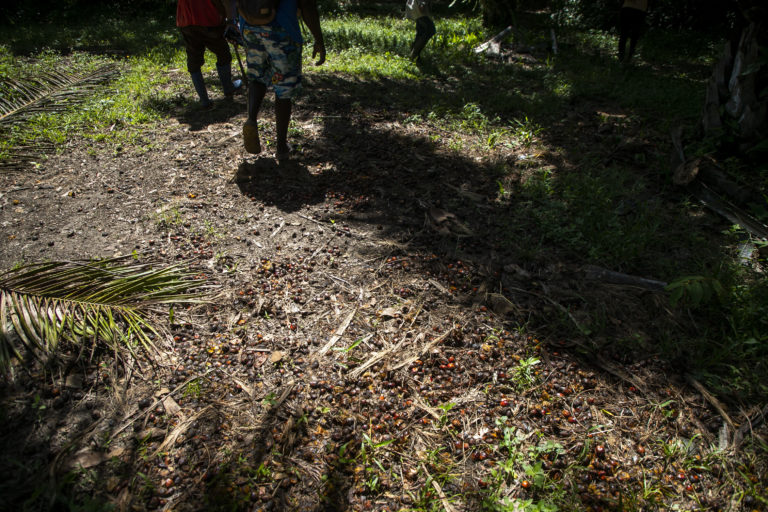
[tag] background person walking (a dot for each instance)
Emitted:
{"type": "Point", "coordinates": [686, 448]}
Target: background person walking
{"type": "Point", "coordinates": [274, 58]}
{"type": "Point", "coordinates": [425, 28]}
{"type": "Point", "coordinates": [202, 26]}
{"type": "Point", "coordinates": [631, 24]}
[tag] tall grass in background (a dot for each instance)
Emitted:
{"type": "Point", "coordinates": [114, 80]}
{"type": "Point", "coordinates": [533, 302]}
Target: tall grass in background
{"type": "Point", "coordinates": [380, 46]}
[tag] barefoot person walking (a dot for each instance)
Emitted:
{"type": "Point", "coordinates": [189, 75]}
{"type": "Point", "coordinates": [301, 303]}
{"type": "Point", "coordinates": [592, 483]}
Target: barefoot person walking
{"type": "Point", "coordinates": [274, 58]}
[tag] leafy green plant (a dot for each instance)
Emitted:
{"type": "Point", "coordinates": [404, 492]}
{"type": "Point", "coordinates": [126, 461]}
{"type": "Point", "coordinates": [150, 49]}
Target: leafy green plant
{"type": "Point", "coordinates": [342, 452]}
{"type": "Point", "coordinates": [472, 119]}
{"type": "Point", "coordinates": [369, 448]}
{"type": "Point", "coordinates": [426, 498]}
{"type": "Point", "coordinates": [169, 217]}
{"type": "Point", "coordinates": [518, 465]}
{"type": "Point", "coordinates": [194, 388]}
{"type": "Point", "coordinates": [525, 131]}
{"type": "Point", "coordinates": [346, 350]}
{"type": "Point", "coordinates": [694, 290]}
{"type": "Point", "coordinates": [666, 408]}
{"type": "Point", "coordinates": [445, 408]}
{"type": "Point", "coordinates": [524, 375]}
{"type": "Point", "coordinates": [372, 481]}
{"type": "Point", "coordinates": [39, 406]}
{"type": "Point", "coordinates": [263, 472]}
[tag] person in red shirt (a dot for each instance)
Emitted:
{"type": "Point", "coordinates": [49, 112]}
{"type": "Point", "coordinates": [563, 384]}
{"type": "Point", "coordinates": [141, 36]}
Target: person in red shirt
{"type": "Point", "coordinates": [202, 23]}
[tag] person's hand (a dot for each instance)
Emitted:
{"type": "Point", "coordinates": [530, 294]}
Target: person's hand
{"type": "Point", "coordinates": [233, 35]}
{"type": "Point", "coordinates": [318, 50]}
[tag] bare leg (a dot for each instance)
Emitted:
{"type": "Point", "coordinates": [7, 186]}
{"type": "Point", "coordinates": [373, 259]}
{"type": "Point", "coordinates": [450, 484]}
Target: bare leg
{"type": "Point", "coordinates": [282, 120]}
{"type": "Point", "coordinates": [256, 92]}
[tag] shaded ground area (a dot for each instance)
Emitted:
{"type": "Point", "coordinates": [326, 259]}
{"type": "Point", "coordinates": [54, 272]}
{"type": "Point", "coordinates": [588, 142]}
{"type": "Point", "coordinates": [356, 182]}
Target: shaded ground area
{"type": "Point", "coordinates": [373, 342]}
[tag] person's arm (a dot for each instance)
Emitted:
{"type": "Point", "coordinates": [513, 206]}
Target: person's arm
{"type": "Point", "coordinates": [312, 19]}
{"type": "Point", "coordinates": [231, 30]}
{"type": "Point", "coordinates": [228, 7]}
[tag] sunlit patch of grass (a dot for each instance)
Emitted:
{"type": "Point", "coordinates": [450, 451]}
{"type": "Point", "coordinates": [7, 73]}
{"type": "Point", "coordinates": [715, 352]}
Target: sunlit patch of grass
{"type": "Point", "coordinates": [115, 111]}
{"type": "Point", "coordinates": [371, 65]}
{"type": "Point", "coordinates": [354, 35]}
{"type": "Point", "coordinates": [381, 35]}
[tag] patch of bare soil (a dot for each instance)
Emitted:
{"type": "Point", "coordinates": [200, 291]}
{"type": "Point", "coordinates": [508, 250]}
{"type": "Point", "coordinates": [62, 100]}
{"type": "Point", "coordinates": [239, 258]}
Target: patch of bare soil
{"type": "Point", "coordinates": [362, 349]}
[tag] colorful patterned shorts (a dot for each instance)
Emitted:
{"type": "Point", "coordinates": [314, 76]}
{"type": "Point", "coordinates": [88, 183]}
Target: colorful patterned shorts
{"type": "Point", "coordinates": [273, 58]}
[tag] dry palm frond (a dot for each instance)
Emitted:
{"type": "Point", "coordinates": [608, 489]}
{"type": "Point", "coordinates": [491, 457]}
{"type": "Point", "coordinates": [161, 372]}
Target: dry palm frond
{"type": "Point", "coordinates": [48, 92]}
{"type": "Point", "coordinates": [45, 304]}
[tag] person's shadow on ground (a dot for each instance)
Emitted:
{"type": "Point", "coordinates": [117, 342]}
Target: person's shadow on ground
{"type": "Point", "coordinates": [286, 184]}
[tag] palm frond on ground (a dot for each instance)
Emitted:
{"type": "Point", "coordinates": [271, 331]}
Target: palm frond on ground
{"type": "Point", "coordinates": [50, 92]}
{"type": "Point", "coordinates": [43, 305]}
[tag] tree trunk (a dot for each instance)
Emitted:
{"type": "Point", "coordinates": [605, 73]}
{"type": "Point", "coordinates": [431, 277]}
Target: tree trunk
{"type": "Point", "coordinates": [736, 102]}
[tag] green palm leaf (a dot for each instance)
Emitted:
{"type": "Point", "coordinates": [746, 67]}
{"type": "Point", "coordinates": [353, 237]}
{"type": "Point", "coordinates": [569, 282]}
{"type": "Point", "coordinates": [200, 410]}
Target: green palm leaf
{"type": "Point", "coordinates": [46, 304]}
{"type": "Point", "coordinates": [47, 92]}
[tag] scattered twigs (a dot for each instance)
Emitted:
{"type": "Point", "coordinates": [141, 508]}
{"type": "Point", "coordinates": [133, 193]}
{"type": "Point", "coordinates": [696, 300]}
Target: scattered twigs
{"type": "Point", "coordinates": [714, 402]}
{"type": "Point", "coordinates": [313, 220]}
{"type": "Point", "coordinates": [171, 438]}
{"type": "Point", "coordinates": [618, 372]}
{"type": "Point", "coordinates": [156, 403]}
{"type": "Point", "coordinates": [730, 211]}
{"type": "Point", "coordinates": [277, 230]}
{"type": "Point", "coordinates": [319, 250]}
{"type": "Point", "coordinates": [376, 357]}
{"type": "Point", "coordinates": [338, 334]}
{"type": "Point", "coordinates": [421, 404]}
{"type": "Point", "coordinates": [439, 490]}
{"type": "Point", "coordinates": [424, 349]}
{"type": "Point", "coordinates": [494, 41]}
{"type": "Point", "coordinates": [749, 426]}
{"type": "Point", "coordinates": [279, 401]}
{"type": "Point", "coordinates": [339, 279]}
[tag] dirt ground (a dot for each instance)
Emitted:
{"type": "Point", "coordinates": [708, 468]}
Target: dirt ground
{"type": "Point", "coordinates": [369, 343]}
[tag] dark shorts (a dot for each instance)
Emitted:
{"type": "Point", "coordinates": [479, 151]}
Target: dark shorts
{"type": "Point", "coordinates": [631, 22]}
{"type": "Point", "coordinates": [197, 39]}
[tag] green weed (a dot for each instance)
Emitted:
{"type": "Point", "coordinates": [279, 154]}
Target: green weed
{"type": "Point", "coordinates": [524, 376]}
{"type": "Point", "coordinates": [525, 131]}
{"type": "Point", "coordinates": [694, 290]}
{"type": "Point", "coordinates": [194, 388]}
{"type": "Point", "coordinates": [169, 216]}
{"type": "Point", "coordinates": [523, 468]}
